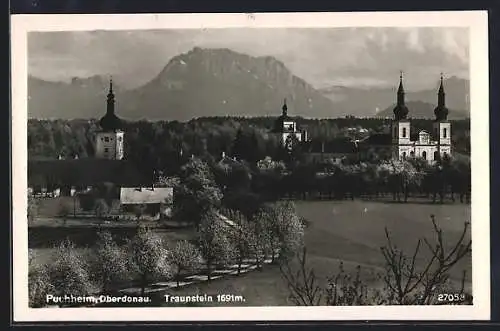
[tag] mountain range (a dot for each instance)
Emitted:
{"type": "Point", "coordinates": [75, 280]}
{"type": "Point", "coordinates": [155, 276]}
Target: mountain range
{"type": "Point", "coordinates": [221, 82]}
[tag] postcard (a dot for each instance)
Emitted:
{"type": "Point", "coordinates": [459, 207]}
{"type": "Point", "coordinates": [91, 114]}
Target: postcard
{"type": "Point", "coordinates": [251, 167]}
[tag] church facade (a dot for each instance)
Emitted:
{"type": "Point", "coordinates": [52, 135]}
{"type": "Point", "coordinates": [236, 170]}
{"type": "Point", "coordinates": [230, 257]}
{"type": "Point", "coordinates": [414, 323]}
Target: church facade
{"type": "Point", "coordinates": [426, 145]}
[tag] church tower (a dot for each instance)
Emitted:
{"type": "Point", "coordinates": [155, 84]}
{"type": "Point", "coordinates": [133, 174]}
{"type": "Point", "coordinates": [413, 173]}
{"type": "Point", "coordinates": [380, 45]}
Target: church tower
{"type": "Point", "coordinates": [441, 126]}
{"type": "Point", "coordinates": [109, 141]}
{"type": "Point", "coordinates": [400, 128]}
{"type": "Point", "coordinates": [287, 127]}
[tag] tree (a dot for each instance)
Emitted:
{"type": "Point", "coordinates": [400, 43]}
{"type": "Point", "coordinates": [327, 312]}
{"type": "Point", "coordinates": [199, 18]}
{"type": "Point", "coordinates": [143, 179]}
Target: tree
{"type": "Point", "coordinates": [241, 236]}
{"type": "Point", "coordinates": [32, 208]}
{"type": "Point", "coordinates": [63, 211]}
{"type": "Point", "coordinates": [101, 209]}
{"type": "Point", "coordinates": [110, 264]}
{"type": "Point", "coordinates": [139, 211]}
{"type": "Point", "coordinates": [68, 271]}
{"type": "Point", "coordinates": [148, 257]}
{"type": "Point", "coordinates": [213, 240]}
{"type": "Point", "coordinates": [184, 257]}
{"type": "Point", "coordinates": [405, 282]}
{"type": "Point", "coordinates": [39, 284]}
{"type": "Point", "coordinates": [283, 229]}
{"type": "Point", "coordinates": [409, 285]}
{"type": "Point", "coordinates": [197, 192]}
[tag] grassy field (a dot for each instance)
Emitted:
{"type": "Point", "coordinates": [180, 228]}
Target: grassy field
{"type": "Point", "coordinates": [352, 232]}
{"type": "Point", "coordinates": [348, 231]}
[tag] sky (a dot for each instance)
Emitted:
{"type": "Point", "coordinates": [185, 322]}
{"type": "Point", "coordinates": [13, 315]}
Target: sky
{"type": "Point", "coordinates": [362, 57]}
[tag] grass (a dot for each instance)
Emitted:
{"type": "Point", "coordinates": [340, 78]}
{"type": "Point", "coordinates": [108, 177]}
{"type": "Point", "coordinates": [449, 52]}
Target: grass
{"type": "Point", "coordinates": [344, 231]}
{"type": "Point", "coordinates": [348, 231]}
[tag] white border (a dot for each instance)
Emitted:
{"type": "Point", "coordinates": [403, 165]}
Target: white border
{"type": "Point", "coordinates": [477, 21]}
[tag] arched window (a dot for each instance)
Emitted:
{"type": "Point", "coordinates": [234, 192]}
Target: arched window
{"type": "Point", "coordinates": [445, 155]}
{"type": "Point", "coordinates": [436, 155]}
{"type": "Point", "coordinates": [404, 155]}
{"type": "Point", "coordinates": [395, 132]}
{"type": "Point", "coordinates": [424, 155]}
{"type": "Point", "coordinates": [445, 133]}
{"type": "Point", "coordinates": [412, 153]}
{"type": "Point", "coordinates": [404, 132]}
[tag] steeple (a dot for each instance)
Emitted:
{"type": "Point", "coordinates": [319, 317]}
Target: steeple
{"type": "Point", "coordinates": [441, 111]}
{"type": "Point", "coordinates": [401, 91]}
{"type": "Point", "coordinates": [111, 98]}
{"type": "Point", "coordinates": [400, 111]}
{"type": "Point", "coordinates": [284, 108]}
{"type": "Point", "coordinates": [110, 122]}
{"type": "Point", "coordinates": [441, 93]}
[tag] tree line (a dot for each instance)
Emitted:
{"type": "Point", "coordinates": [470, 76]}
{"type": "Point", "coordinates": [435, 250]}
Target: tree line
{"type": "Point", "coordinates": [165, 145]}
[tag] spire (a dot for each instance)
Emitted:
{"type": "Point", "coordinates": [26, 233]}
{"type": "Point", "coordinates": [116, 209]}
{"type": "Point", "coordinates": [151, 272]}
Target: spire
{"type": "Point", "coordinates": [441, 111]}
{"type": "Point", "coordinates": [400, 111]}
{"type": "Point", "coordinates": [111, 98]}
{"type": "Point", "coordinates": [441, 94]}
{"type": "Point", "coordinates": [110, 122]}
{"type": "Point", "coordinates": [401, 90]}
{"type": "Point", "coordinates": [284, 108]}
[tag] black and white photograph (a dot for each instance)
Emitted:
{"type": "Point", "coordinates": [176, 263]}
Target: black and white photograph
{"type": "Point", "coordinates": [251, 166]}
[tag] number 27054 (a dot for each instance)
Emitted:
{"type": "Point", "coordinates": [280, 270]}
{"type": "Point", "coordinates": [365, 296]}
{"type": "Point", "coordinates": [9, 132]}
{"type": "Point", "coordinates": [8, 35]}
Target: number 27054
{"type": "Point", "coordinates": [450, 297]}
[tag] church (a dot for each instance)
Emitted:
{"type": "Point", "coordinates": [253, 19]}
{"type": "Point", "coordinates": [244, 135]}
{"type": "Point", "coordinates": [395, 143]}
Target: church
{"type": "Point", "coordinates": [401, 143]}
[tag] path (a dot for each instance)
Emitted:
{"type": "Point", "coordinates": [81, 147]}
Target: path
{"type": "Point", "coordinates": [247, 266]}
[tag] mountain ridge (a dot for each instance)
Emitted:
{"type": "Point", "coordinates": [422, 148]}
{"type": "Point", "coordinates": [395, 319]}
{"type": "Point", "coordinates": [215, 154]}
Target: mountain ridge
{"type": "Point", "coordinates": [200, 82]}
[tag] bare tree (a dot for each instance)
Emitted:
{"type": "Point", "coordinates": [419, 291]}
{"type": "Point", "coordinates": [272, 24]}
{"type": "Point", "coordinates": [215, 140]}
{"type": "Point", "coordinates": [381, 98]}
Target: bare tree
{"type": "Point", "coordinates": [404, 282]}
{"type": "Point", "coordinates": [408, 284]}
{"type": "Point", "coordinates": [302, 281]}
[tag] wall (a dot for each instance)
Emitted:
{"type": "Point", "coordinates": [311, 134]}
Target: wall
{"type": "Point", "coordinates": [109, 145]}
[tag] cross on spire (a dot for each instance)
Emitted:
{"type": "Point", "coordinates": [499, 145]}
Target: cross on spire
{"type": "Point", "coordinates": [111, 85]}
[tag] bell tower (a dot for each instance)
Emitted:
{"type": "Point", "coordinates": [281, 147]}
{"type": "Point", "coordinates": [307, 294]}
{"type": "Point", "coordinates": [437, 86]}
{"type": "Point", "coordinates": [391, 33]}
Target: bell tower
{"type": "Point", "coordinates": [109, 141]}
{"type": "Point", "coordinates": [441, 125]}
{"type": "Point", "coordinates": [400, 127]}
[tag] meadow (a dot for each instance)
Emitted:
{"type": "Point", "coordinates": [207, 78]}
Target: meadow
{"type": "Point", "coordinates": [347, 231]}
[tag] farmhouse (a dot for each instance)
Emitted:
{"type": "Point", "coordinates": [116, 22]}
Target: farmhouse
{"type": "Point", "coordinates": [153, 200]}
